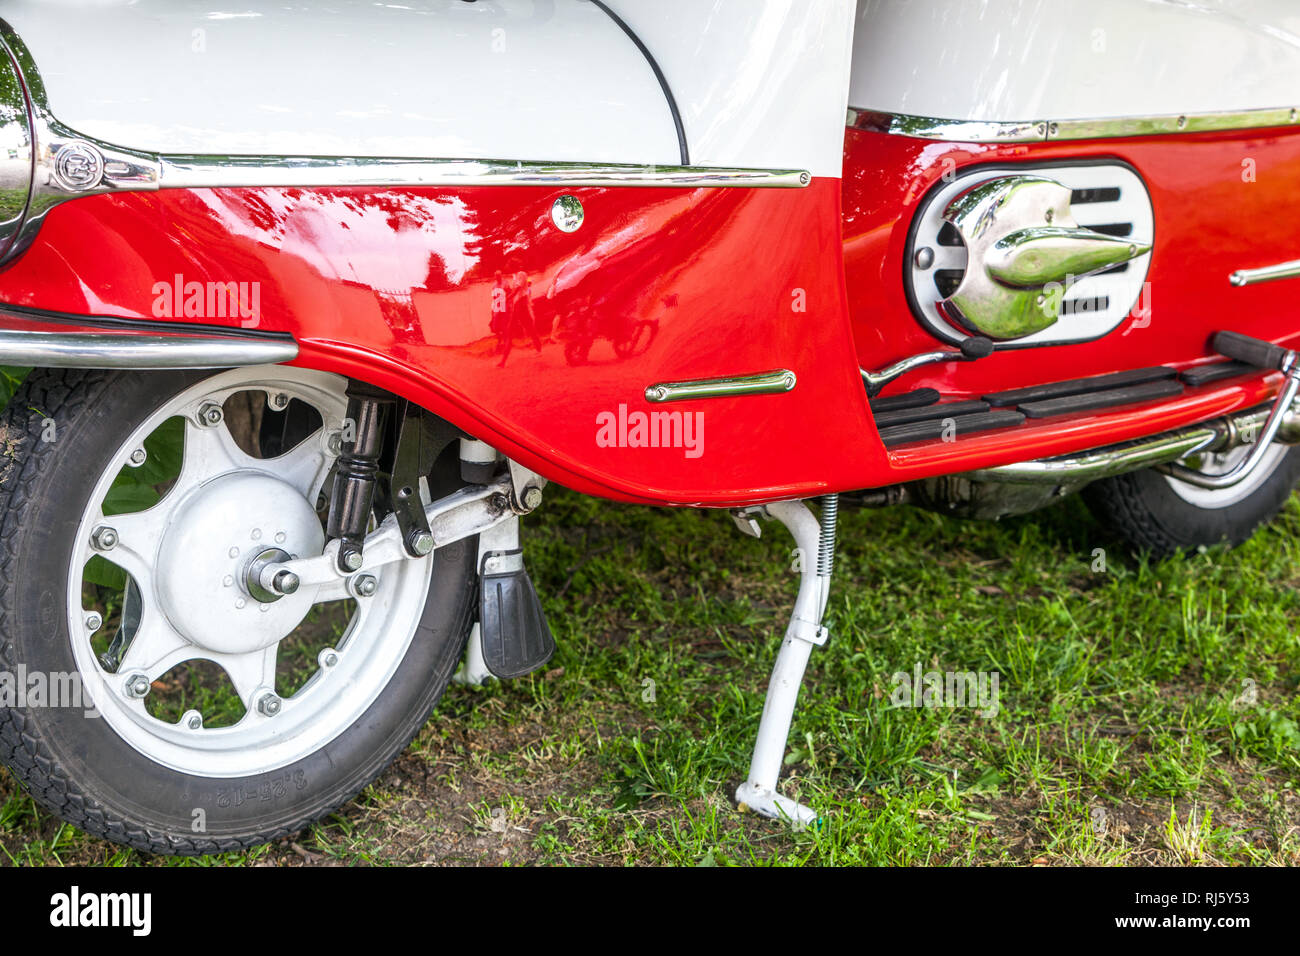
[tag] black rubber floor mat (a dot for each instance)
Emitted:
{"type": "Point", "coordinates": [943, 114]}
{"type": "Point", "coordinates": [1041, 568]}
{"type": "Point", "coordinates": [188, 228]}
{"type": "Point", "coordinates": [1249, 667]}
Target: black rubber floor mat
{"type": "Point", "coordinates": [915, 399]}
{"type": "Point", "coordinates": [905, 416]}
{"type": "Point", "coordinates": [1104, 399]}
{"type": "Point", "coordinates": [937, 428]}
{"type": "Point", "coordinates": [516, 638]}
{"type": "Point", "coordinates": [1079, 386]}
{"type": "Point", "coordinates": [1205, 374]}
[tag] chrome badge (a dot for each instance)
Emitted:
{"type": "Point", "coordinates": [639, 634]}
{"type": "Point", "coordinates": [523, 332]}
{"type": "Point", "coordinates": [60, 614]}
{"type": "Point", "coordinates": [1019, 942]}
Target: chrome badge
{"type": "Point", "coordinates": [78, 166]}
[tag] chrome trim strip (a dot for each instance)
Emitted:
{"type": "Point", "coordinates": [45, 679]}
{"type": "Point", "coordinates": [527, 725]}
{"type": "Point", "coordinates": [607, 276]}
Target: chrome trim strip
{"type": "Point", "coordinates": [1283, 270]}
{"type": "Point", "coordinates": [201, 172]}
{"type": "Point", "coordinates": [1045, 130]}
{"type": "Point", "coordinates": [761, 383]}
{"type": "Point", "coordinates": [122, 351]}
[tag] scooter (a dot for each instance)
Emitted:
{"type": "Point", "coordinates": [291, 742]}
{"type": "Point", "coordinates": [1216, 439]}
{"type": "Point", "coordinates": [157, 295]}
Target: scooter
{"type": "Point", "coordinates": [279, 277]}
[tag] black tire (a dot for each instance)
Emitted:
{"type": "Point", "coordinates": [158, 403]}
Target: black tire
{"type": "Point", "coordinates": [79, 768]}
{"type": "Point", "coordinates": [1143, 509]}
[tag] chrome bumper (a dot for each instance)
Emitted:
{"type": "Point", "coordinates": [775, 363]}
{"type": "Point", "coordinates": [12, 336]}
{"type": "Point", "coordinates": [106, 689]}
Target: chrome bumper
{"type": "Point", "coordinates": [119, 350]}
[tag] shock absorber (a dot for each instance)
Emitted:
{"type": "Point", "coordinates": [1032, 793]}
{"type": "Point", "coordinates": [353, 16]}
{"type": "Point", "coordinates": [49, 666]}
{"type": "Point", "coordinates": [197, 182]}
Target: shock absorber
{"type": "Point", "coordinates": [353, 495]}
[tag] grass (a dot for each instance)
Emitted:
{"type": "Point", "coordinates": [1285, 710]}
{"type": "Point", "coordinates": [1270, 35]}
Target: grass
{"type": "Point", "coordinates": [1147, 713]}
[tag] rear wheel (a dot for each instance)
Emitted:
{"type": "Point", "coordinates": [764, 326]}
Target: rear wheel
{"type": "Point", "coordinates": [196, 713]}
{"type": "Point", "coordinates": [1161, 515]}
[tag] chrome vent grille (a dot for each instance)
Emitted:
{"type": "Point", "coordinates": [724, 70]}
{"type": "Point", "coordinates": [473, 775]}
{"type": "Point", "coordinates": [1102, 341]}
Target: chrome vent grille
{"type": "Point", "coordinates": [1107, 197]}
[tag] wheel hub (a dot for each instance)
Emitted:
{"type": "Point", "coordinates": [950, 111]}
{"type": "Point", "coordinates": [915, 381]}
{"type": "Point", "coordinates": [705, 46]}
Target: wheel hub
{"type": "Point", "coordinates": [218, 534]}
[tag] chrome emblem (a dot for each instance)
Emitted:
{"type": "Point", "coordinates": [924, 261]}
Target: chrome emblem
{"type": "Point", "coordinates": [78, 166]}
{"type": "Point", "coordinates": [567, 214]}
{"type": "Point", "coordinates": [1025, 250]}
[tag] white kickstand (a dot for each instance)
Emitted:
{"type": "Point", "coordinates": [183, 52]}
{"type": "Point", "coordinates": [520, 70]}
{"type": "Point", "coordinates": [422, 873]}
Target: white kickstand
{"type": "Point", "coordinates": [805, 630]}
{"type": "Point", "coordinates": [502, 537]}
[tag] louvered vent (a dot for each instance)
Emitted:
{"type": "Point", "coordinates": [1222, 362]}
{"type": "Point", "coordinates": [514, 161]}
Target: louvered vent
{"type": "Point", "coordinates": [1107, 197]}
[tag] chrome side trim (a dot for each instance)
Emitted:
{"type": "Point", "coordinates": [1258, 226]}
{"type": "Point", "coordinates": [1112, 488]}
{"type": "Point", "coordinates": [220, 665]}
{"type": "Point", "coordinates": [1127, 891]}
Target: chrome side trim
{"type": "Point", "coordinates": [1283, 270]}
{"type": "Point", "coordinates": [121, 351]}
{"type": "Point", "coordinates": [1045, 130]}
{"type": "Point", "coordinates": [760, 383]}
{"type": "Point", "coordinates": [204, 172]}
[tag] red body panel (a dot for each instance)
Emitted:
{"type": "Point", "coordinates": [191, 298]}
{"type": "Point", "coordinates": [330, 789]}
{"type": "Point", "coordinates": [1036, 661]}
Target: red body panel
{"type": "Point", "coordinates": [397, 287]}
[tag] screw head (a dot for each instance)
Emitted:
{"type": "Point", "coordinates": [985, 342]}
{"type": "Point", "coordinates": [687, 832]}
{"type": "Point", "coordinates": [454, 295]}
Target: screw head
{"type": "Point", "coordinates": [567, 214]}
{"type": "Point", "coordinates": [210, 415]}
{"type": "Point", "coordinates": [268, 705]}
{"type": "Point", "coordinates": [924, 257]}
{"type": "Point", "coordinates": [138, 457]}
{"type": "Point", "coordinates": [365, 585]}
{"type": "Point", "coordinates": [532, 498]}
{"type": "Point", "coordinates": [136, 686]}
{"type": "Point", "coordinates": [94, 622]}
{"type": "Point", "coordinates": [103, 538]}
{"type": "Point", "coordinates": [421, 542]}
{"type": "Point", "coordinates": [280, 401]}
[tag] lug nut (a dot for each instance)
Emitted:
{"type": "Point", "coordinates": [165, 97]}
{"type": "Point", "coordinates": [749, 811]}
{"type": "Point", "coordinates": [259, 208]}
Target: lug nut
{"type": "Point", "coordinates": [193, 720]}
{"type": "Point", "coordinates": [286, 582]}
{"type": "Point", "coordinates": [210, 414]}
{"type": "Point", "coordinates": [104, 538]}
{"type": "Point", "coordinates": [365, 585]}
{"type": "Point", "coordinates": [532, 498]}
{"type": "Point", "coordinates": [138, 457]}
{"type": "Point", "coordinates": [280, 401]}
{"type": "Point", "coordinates": [94, 622]}
{"type": "Point", "coordinates": [268, 705]}
{"type": "Point", "coordinates": [137, 686]}
{"type": "Point", "coordinates": [421, 542]}
{"type": "Point", "coordinates": [329, 657]}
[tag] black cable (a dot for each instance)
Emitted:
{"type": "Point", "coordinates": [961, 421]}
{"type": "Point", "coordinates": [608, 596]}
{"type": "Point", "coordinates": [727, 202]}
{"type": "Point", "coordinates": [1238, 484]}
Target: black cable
{"type": "Point", "coordinates": [659, 74]}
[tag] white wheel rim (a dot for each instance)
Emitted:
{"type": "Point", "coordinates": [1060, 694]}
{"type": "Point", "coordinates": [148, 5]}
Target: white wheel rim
{"type": "Point", "coordinates": [362, 662]}
{"type": "Point", "coordinates": [1222, 463]}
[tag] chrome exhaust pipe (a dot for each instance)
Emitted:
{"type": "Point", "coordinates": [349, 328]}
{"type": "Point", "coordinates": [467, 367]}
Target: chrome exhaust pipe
{"type": "Point", "coordinates": [1218, 435]}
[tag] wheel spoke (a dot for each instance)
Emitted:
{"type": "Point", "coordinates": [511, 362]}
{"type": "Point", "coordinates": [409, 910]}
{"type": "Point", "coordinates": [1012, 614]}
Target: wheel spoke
{"type": "Point", "coordinates": [250, 673]}
{"type": "Point", "coordinates": [138, 537]}
{"type": "Point", "coordinates": [210, 450]}
{"type": "Point", "coordinates": [304, 466]}
{"type": "Point", "coordinates": [155, 649]}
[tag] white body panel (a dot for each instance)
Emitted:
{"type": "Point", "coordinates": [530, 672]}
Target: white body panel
{"type": "Point", "coordinates": [760, 83]}
{"type": "Point", "coordinates": [1020, 60]}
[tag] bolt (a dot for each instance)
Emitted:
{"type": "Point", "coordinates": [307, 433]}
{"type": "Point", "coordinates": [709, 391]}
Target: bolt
{"type": "Point", "coordinates": [193, 720]}
{"type": "Point", "coordinates": [336, 443]}
{"type": "Point", "coordinates": [138, 457]}
{"type": "Point", "coordinates": [94, 622]}
{"type": "Point", "coordinates": [365, 585]}
{"type": "Point", "coordinates": [924, 257]}
{"type": "Point", "coordinates": [104, 538]}
{"type": "Point", "coordinates": [268, 705]}
{"type": "Point", "coordinates": [329, 658]}
{"type": "Point", "coordinates": [210, 415]}
{"type": "Point", "coordinates": [421, 542]}
{"type": "Point", "coordinates": [137, 686]}
{"type": "Point", "coordinates": [285, 582]}
{"type": "Point", "coordinates": [352, 560]}
{"type": "Point", "coordinates": [280, 401]}
{"type": "Point", "coordinates": [532, 497]}
{"type": "Point", "coordinates": [280, 537]}
{"type": "Point", "coordinates": [1049, 215]}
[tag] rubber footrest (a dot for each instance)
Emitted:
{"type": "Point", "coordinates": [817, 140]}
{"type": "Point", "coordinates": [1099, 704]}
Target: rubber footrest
{"type": "Point", "coordinates": [516, 638]}
{"type": "Point", "coordinates": [915, 399]}
{"type": "Point", "coordinates": [1104, 399]}
{"type": "Point", "coordinates": [939, 427]}
{"type": "Point", "coordinates": [1205, 374]}
{"type": "Point", "coordinates": [1079, 386]}
{"type": "Point", "coordinates": [905, 416]}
